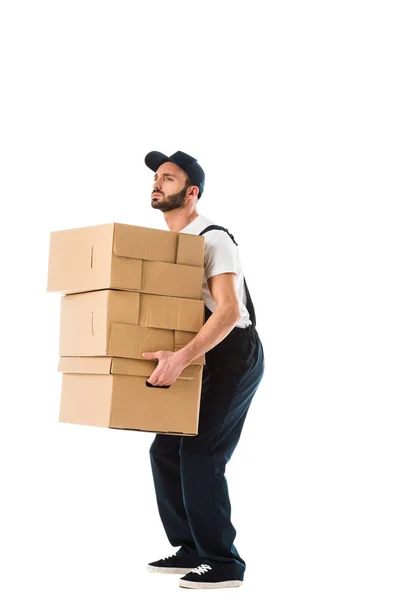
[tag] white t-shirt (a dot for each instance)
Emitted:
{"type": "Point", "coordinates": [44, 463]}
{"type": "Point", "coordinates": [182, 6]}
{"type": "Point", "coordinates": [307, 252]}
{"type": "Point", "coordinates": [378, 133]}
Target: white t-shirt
{"type": "Point", "coordinates": [220, 256]}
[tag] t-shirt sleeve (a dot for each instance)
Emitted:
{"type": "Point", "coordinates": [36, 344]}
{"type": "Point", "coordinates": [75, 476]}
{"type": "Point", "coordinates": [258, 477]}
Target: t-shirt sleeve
{"type": "Point", "coordinates": [220, 254]}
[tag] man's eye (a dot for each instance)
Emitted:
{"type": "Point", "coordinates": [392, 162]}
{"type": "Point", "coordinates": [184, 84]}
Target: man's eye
{"type": "Point", "coordinates": [169, 178]}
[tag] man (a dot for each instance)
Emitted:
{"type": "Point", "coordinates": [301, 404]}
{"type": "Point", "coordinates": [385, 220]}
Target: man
{"type": "Point", "coordinates": [190, 485]}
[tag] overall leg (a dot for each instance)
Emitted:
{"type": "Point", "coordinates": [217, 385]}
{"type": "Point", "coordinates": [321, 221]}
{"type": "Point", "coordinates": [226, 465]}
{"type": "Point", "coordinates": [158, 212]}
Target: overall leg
{"type": "Point", "coordinates": [165, 465]}
{"type": "Point", "coordinates": [226, 396]}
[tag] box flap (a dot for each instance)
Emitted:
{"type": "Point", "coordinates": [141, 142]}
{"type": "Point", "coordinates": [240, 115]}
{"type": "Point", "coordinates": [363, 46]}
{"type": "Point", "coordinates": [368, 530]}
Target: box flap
{"type": "Point", "coordinates": [147, 243]}
{"type": "Point", "coordinates": [130, 341]}
{"type": "Point", "coordinates": [117, 366]}
{"type": "Point", "coordinates": [166, 279]}
{"type": "Point", "coordinates": [169, 312]}
{"type": "Point", "coordinates": [190, 250]}
{"type": "Point", "coordinates": [85, 364]}
{"type": "Point", "coordinates": [144, 368]}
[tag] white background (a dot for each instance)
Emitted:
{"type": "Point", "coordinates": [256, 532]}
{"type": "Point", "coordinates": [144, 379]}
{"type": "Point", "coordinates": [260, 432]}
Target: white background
{"type": "Point", "coordinates": [292, 108]}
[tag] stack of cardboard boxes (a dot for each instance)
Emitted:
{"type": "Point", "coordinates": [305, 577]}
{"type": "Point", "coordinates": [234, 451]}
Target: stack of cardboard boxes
{"type": "Point", "coordinates": [128, 290]}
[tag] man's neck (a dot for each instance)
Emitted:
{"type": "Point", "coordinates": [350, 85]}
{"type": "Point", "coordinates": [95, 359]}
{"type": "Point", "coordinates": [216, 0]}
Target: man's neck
{"type": "Point", "coordinates": [178, 219]}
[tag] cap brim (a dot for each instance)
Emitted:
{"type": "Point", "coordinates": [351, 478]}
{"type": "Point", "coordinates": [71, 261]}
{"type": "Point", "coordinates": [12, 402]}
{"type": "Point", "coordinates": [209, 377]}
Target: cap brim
{"type": "Point", "coordinates": [155, 159]}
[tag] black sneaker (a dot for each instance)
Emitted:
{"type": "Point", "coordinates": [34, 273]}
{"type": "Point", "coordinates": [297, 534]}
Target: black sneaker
{"type": "Point", "coordinates": [209, 577]}
{"type": "Point", "coordinates": [174, 564]}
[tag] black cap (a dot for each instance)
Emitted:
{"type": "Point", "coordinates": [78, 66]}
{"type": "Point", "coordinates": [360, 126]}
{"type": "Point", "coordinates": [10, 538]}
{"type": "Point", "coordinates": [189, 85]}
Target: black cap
{"type": "Point", "coordinates": [154, 160]}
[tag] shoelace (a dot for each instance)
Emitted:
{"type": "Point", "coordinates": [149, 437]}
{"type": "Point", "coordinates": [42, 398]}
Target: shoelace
{"type": "Point", "coordinates": [201, 569]}
{"type": "Point", "coordinates": [172, 556]}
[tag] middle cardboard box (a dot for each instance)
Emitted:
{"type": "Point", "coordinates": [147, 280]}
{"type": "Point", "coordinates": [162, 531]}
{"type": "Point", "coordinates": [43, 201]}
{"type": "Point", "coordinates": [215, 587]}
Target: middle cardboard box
{"type": "Point", "coordinates": [125, 324]}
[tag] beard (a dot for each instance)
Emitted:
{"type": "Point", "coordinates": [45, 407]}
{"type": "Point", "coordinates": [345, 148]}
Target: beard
{"type": "Point", "coordinates": [170, 202]}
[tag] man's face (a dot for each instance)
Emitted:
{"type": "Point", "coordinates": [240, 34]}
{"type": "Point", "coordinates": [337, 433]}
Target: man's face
{"type": "Point", "coordinates": [169, 188]}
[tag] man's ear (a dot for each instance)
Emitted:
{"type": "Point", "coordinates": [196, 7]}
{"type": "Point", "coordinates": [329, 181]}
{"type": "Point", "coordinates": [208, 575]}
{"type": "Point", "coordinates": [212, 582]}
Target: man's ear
{"type": "Point", "coordinates": [194, 190]}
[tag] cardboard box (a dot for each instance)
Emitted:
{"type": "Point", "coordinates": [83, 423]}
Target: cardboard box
{"type": "Point", "coordinates": [126, 257]}
{"type": "Point", "coordinates": [112, 392]}
{"type": "Point", "coordinates": [125, 324]}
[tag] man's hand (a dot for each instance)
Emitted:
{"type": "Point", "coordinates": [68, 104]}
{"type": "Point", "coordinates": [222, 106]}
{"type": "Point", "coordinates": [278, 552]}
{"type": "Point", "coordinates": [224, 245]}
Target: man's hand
{"type": "Point", "coordinates": [215, 329]}
{"type": "Point", "coordinates": [169, 367]}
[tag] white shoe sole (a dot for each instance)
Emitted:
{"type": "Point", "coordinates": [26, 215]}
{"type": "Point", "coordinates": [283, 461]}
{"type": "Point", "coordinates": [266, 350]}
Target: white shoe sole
{"type": "Point", "coordinates": [208, 585]}
{"type": "Point", "coordinates": [169, 570]}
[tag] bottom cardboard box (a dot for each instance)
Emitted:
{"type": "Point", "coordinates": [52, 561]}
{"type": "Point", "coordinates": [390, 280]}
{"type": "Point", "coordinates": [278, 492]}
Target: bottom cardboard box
{"type": "Point", "coordinates": [112, 392]}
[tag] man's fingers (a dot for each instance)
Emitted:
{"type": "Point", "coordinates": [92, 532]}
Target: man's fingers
{"type": "Point", "coordinates": [161, 371]}
{"type": "Point", "coordinates": [153, 377]}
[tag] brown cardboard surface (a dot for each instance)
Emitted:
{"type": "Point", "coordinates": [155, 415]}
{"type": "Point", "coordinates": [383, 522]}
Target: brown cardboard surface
{"type": "Point", "coordinates": [174, 409]}
{"type": "Point", "coordinates": [125, 324]}
{"type": "Point", "coordinates": [126, 257]}
{"type": "Point", "coordinates": [125, 402]}
{"type": "Point", "coordinates": [80, 259]}
{"type": "Point", "coordinates": [86, 400]}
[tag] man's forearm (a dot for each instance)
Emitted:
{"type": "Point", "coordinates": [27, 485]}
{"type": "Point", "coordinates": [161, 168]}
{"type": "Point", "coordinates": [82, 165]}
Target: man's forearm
{"type": "Point", "coordinates": [214, 330]}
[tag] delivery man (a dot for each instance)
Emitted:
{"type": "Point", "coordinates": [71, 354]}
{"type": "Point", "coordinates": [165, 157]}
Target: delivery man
{"type": "Point", "coordinates": [190, 485]}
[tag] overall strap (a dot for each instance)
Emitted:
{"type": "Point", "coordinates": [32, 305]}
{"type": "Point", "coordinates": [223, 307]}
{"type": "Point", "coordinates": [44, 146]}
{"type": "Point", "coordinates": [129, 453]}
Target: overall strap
{"type": "Point", "coordinates": [249, 304]}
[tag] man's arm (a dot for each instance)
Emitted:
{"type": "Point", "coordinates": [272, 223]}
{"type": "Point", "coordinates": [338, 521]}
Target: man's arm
{"type": "Point", "coordinates": [215, 329]}
{"type": "Point", "coordinates": [220, 323]}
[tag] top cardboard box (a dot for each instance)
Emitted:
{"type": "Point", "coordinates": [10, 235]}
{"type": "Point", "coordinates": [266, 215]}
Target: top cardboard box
{"type": "Point", "coordinates": [126, 257]}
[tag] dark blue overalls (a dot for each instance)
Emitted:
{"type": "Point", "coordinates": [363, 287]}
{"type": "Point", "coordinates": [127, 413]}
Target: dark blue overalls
{"type": "Point", "coordinates": [189, 472]}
